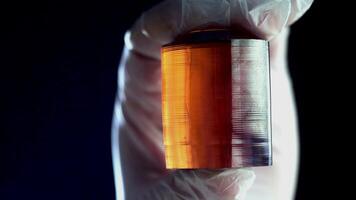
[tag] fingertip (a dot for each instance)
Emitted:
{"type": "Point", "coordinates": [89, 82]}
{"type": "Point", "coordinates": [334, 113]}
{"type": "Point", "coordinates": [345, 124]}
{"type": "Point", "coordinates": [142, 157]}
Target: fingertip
{"type": "Point", "coordinates": [299, 7]}
{"type": "Point", "coordinates": [136, 40]}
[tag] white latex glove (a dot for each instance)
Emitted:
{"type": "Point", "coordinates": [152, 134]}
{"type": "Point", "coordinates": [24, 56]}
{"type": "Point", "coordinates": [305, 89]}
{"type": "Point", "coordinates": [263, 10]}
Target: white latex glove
{"type": "Point", "coordinates": [137, 143]}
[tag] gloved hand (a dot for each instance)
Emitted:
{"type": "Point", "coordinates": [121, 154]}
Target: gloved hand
{"type": "Point", "coordinates": [137, 143]}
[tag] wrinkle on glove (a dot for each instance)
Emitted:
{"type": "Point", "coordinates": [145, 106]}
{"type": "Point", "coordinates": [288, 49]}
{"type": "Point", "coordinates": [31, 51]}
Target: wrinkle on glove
{"type": "Point", "coordinates": [137, 143]}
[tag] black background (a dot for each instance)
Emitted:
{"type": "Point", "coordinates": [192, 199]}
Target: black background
{"type": "Point", "coordinates": [58, 81]}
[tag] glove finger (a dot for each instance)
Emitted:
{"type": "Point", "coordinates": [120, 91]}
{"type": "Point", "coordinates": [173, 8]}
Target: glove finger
{"type": "Point", "coordinates": [161, 24]}
{"type": "Point", "coordinates": [202, 184]}
{"type": "Point", "coordinates": [299, 7]}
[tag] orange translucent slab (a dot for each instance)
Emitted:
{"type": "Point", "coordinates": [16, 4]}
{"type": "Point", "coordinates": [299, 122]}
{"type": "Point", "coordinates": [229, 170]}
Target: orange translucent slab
{"type": "Point", "coordinates": [196, 105]}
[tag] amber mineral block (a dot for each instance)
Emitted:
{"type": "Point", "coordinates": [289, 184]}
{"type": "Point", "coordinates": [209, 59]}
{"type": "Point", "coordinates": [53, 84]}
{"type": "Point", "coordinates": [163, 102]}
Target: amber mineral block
{"type": "Point", "coordinates": [216, 104]}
